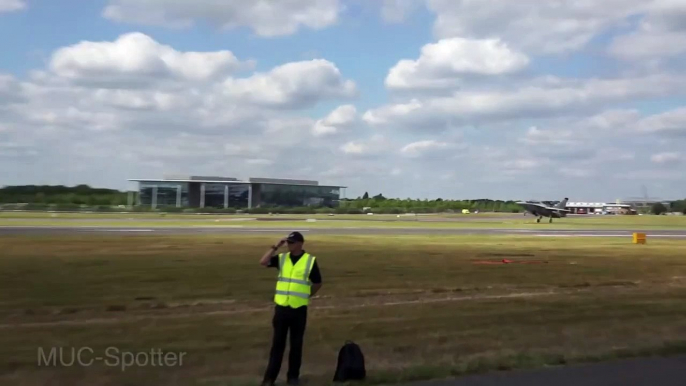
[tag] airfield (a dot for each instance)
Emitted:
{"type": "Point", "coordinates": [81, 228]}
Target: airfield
{"type": "Point", "coordinates": [427, 297]}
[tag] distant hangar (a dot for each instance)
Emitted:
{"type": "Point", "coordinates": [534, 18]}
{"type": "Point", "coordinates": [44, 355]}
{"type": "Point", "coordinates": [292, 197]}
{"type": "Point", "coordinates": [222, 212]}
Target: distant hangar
{"type": "Point", "coordinates": [600, 208]}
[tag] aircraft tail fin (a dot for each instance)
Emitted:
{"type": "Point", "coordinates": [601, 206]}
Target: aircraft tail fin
{"type": "Point", "coordinates": [563, 203]}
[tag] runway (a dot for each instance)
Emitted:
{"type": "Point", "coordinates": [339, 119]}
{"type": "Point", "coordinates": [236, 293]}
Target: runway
{"type": "Point", "coordinates": [228, 230]}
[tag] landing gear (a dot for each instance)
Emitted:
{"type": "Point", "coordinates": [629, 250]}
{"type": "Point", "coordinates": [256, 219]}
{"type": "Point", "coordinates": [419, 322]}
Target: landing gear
{"type": "Point", "coordinates": [551, 220]}
{"type": "Point", "coordinates": [539, 219]}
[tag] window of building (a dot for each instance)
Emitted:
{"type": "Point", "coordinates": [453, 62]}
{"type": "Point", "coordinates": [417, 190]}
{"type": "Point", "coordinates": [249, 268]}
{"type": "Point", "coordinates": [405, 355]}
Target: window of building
{"type": "Point", "coordinates": [167, 193]}
{"type": "Point", "coordinates": [294, 195]}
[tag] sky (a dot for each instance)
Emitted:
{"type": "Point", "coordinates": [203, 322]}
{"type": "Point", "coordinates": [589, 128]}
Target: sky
{"type": "Point", "coordinates": [452, 99]}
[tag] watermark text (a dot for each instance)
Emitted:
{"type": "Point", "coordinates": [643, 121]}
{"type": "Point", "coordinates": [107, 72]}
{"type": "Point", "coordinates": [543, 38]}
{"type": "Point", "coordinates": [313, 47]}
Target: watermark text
{"type": "Point", "coordinates": [111, 357]}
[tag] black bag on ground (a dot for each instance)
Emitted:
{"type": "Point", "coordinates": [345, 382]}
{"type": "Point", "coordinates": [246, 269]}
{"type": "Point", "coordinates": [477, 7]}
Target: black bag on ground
{"type": "Point", "coordinates": [350, 363]}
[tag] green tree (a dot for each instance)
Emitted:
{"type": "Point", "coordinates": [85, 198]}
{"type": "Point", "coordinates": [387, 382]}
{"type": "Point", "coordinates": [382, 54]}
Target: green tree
{"type": "Point", "coordinates": [658, 208]}
{"type": "Point", "coordinates": [679, 206]}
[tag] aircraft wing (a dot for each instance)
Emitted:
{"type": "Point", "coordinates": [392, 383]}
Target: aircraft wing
{"type": "Point", "coordinates": [541, 206]}
{"type": "Point", "coordinates": [554, 208]}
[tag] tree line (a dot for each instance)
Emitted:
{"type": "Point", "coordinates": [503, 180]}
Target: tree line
{"type": "Point", "coordinates": [381, 204]}
{"type": "Point", "coordinates": [62, 195]}
{"type": "Point", "coordinates": [42, 196]}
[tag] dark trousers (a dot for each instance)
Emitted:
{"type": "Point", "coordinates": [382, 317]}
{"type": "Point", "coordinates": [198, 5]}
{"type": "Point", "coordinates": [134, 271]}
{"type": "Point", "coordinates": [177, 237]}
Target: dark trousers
{"type": "Point", "coordinates": [287, 320]}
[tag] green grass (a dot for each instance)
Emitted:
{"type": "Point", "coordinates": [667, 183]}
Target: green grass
{"type": "Point", "coordinates": [418, 306]}
{"type": "Point", "coordinates": [352, 221]}
{"type": "Point", "coordinates": [148, 215]}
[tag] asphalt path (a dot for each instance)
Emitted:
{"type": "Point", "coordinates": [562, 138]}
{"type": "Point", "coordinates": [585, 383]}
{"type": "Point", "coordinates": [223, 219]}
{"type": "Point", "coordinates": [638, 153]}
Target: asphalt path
{"type": "Point", "coordinates": [630, 372]}
{"type": "Point", "coordinates": [47, 230]}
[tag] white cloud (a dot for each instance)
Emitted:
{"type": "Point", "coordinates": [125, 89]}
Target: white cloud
{"type": "Point", "coordinates": [84, 130]}
{"type": "Point", "coordinates": [137, 59]}
{"type": "Point", "coordinates": [616, 120]}
{"type": "Point", "coordinates": [296, 84]}
{"type": "Point", "coordinates": [666, 158]}
{"type": "Point", "coordinates": [532, 25]}
{"type": "Point", "coordinates": [383, 114]}
{"type": "Point", "coordinates": [373, 146]}
{"type": "Point", "coordinates": [265, 17]}
{"type": "Point", "coordinates": [11, 5]}
{"type": "Point", "coordinates": [353, 148]}
{"type": "Point", "coordinates": [649, 44]}
{"type": "Point", "coordinates": [577, 133]}
{"type": "Point", "coordinates": [342, 117]}
{"type": "Point", "coordinates": [10, 90]}
{"type": "Point", "coordinates": [426, 147]}
{"type": "Point", "coordinates": [670, 122]}
{"type": "Point", "coordinates": [522, 164]}
{"type": "Point", "coordinates": [140, 99]}
{"type": "Point", "coordinates": [16, 150]}
{"type": "Point", "coordinates": [395, 11]}
{"type": "Point", "coordinates": [568, 97]}
{"type": "Point", "coordinates": [536, 136]}
{"type": "Point", "coordinates": [577, 172]}
{"type": "Point", "coordinates": [72, 117]}
{"type": "Point", "coordinates": [259, 161]}
{"type": "Point", "coordinates": [443, 64]}
{"type": "Point", "coordinates": [661, 33]}
{"type": "Point", "coordinates": [654, 175]}
{"type": "Point", "coordinates": [101, 111]}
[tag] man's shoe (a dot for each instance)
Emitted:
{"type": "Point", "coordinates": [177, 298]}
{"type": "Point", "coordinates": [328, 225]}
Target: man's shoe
{"type": "Point", "coordinates": [293, 382]}
{"type": "Point", "coordinates": [267, 383]}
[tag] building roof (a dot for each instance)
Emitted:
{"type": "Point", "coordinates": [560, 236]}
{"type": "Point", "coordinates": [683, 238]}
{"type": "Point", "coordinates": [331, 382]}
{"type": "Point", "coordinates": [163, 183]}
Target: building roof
{"type": "Point", "coordinates": [586, 204]}
{"type": "Point", "coordinates": [224, 180]}
{"type": "Point", "coordinates": [595, 204]}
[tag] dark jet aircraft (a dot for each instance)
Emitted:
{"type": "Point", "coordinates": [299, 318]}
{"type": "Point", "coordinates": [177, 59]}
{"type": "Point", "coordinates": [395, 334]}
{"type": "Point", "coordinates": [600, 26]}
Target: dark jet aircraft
{"type": "Point", "coordinates": [543, 210]}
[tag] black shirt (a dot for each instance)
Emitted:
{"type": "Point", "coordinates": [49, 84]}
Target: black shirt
{"type": "Point", "coordinates": [315, 275]}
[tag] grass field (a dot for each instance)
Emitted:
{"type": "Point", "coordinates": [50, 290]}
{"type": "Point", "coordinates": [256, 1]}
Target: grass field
{"type": "Point", "coordinates": [419, 306]}
{"type": "Point", "coordinates": [442, 221]}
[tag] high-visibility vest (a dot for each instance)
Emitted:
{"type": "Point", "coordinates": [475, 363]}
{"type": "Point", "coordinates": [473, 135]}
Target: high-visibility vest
{"type": "Point", "coordinates": [293, 284]}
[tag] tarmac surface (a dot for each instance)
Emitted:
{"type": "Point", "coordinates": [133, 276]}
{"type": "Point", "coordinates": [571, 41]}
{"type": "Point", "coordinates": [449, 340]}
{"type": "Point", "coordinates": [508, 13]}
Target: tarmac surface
{"type": "Point", "coordinates": [630, 372]}
{"type": "Point", "coordinates": [47, 230]}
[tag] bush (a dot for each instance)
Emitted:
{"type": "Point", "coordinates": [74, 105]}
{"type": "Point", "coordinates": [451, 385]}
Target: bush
{"type": "Point", "coordinates": [142, 208]}
{"type": "Point", "coordinates": [170, 209]}
{"type": "Point", "coordinates": [388, 210]}
{"type": "Point", "coordinates": [107, 208]}
{"type": "Point", "coordinates": [214, 210]}
{"type": "Point", "coordinates": [34, 207]}
{"type": "Point", "coordinates": [66, 207]}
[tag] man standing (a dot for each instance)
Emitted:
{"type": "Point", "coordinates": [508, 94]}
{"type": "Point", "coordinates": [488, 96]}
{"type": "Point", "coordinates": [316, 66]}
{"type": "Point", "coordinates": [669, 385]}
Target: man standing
{"type": "Point", "coordinates": [299, 279]}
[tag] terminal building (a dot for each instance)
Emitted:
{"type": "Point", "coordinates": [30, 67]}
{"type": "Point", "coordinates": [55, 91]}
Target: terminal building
{"type": "Point", "coordinates": [228, 192]}
{"type": "Point", "coordinates": [599, 208]}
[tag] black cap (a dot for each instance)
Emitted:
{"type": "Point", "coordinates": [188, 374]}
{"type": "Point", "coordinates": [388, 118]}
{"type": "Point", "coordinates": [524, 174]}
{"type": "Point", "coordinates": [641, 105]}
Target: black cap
{"type": "Point", "coordinates": [296, 236]}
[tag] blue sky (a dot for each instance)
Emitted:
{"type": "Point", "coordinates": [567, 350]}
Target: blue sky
{"type": "Point", "coordinates": [410, 98]}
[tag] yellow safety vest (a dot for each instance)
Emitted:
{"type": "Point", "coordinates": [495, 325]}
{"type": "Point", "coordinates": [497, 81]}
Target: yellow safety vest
{"type": "Point", "coordinates": [293, 284]}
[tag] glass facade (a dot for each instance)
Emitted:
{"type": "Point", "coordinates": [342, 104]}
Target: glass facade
{"type": "Point", "coordinates": [234, 195]}
{"type": "Point", "coordinates": [167, 193]}
{"type": "Point", "coordinates": [238, 196]}
{"type": "Point", "coordinates": [297, 195]}
{"type": "Point", "coordinates": [214, 195]}
{"type": "Point", "coordinates": [226, 195]}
